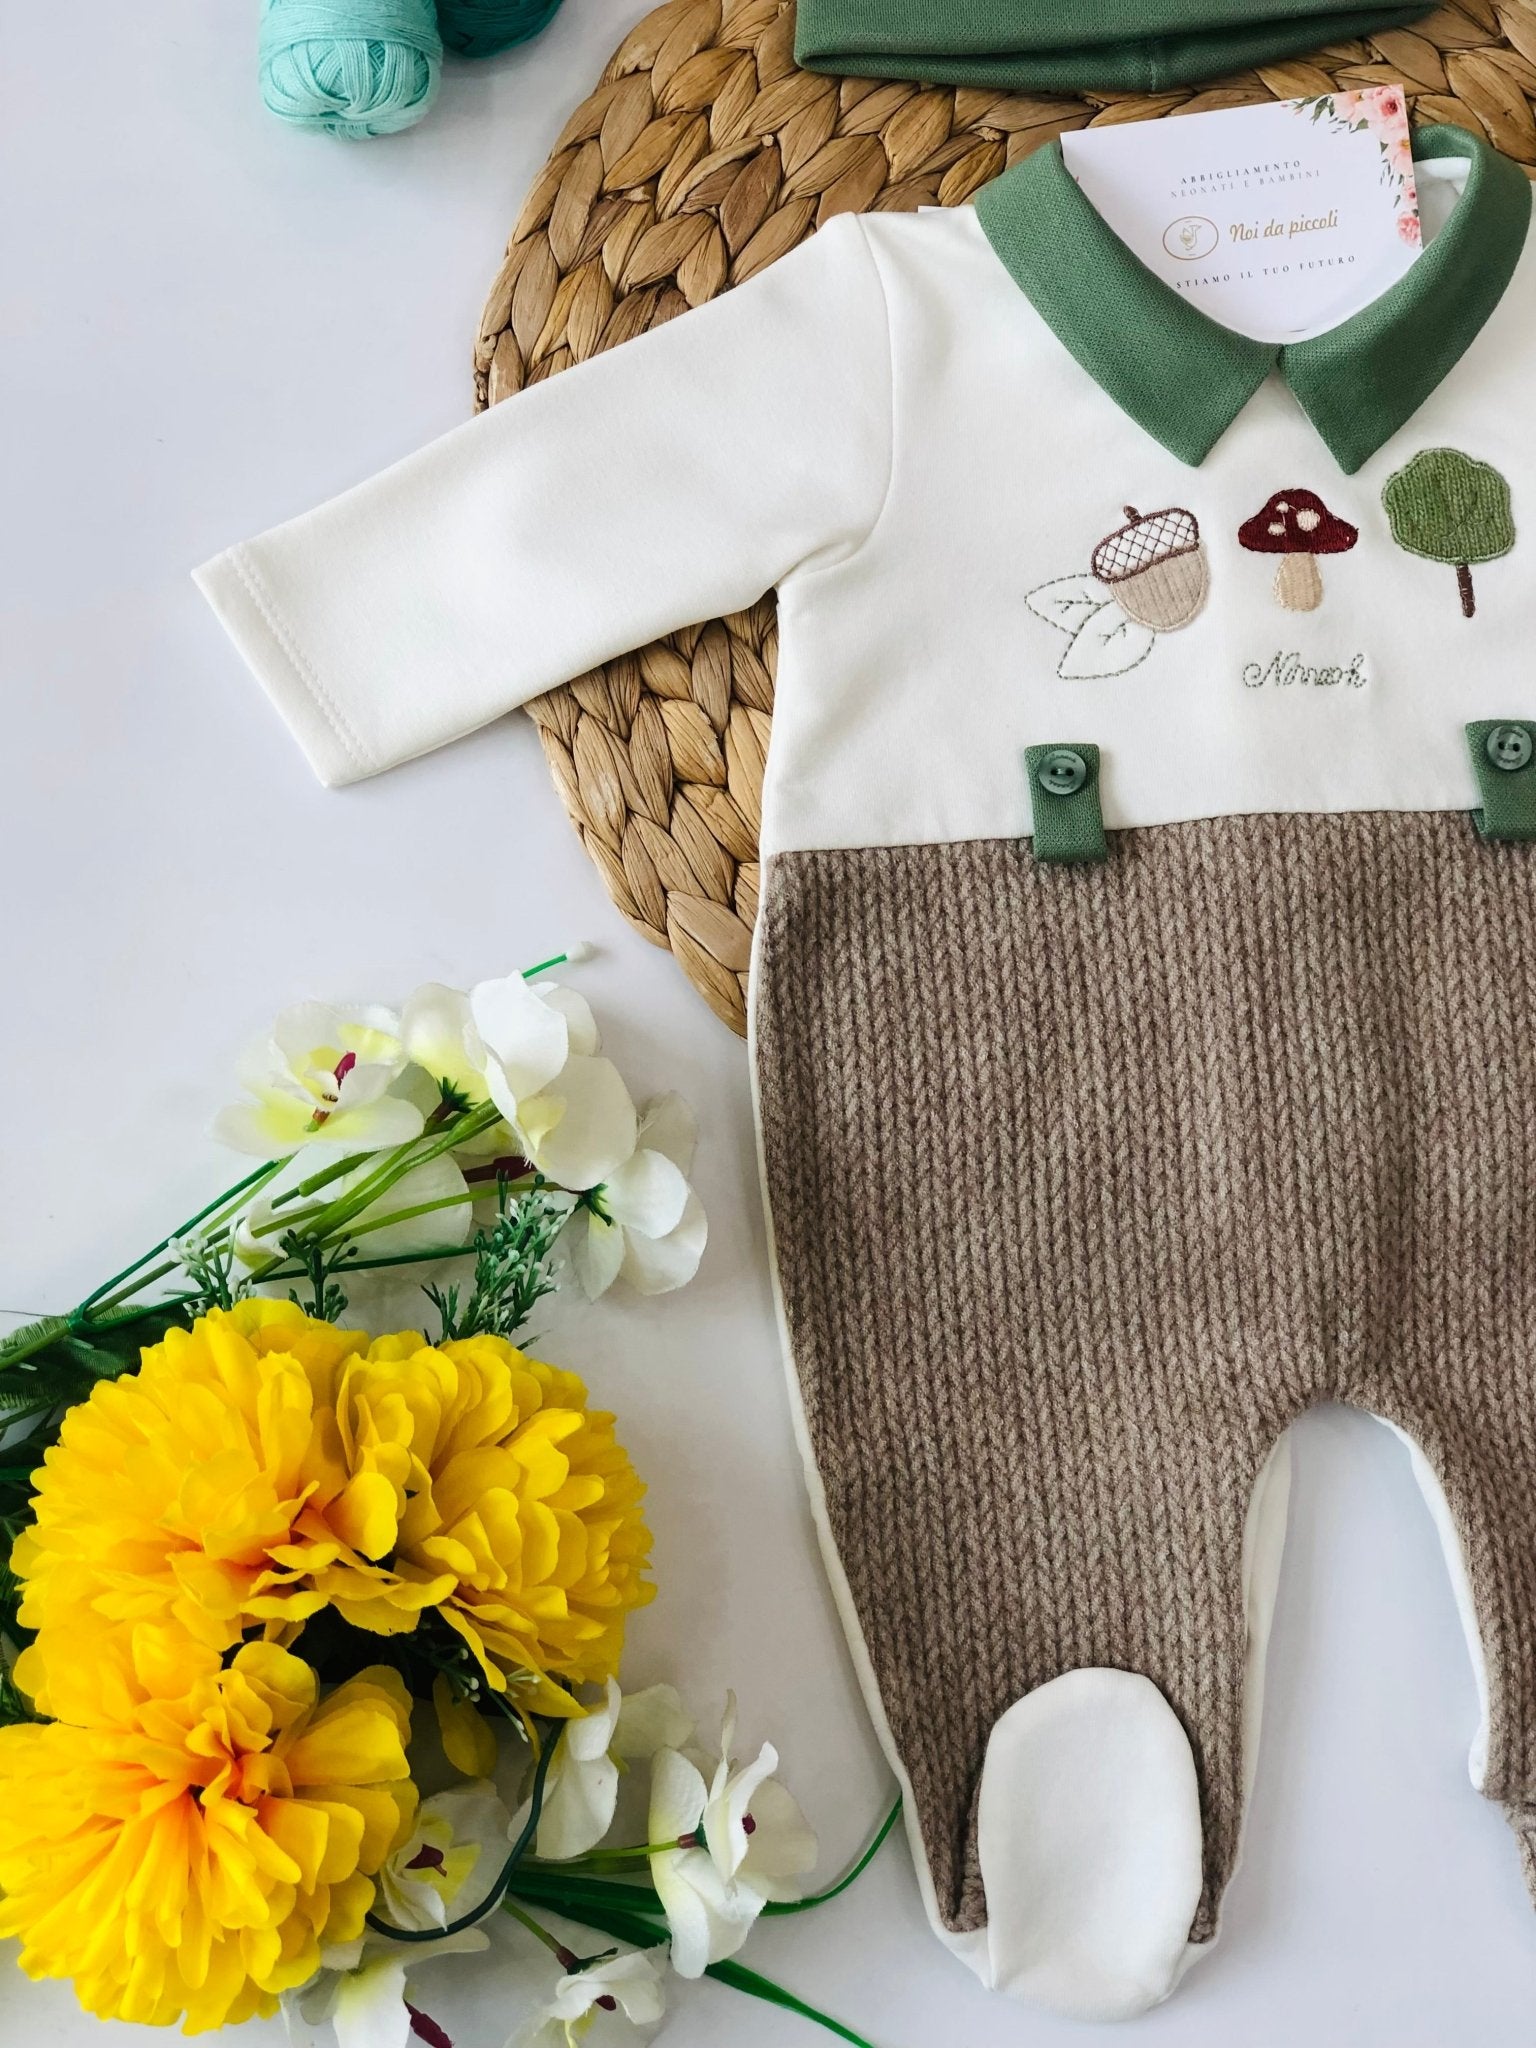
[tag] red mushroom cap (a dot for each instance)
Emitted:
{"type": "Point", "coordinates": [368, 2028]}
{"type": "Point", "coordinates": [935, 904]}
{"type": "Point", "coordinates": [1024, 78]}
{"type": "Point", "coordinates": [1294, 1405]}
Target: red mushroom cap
{"type": "Point", "coordinates": [1297, 523]}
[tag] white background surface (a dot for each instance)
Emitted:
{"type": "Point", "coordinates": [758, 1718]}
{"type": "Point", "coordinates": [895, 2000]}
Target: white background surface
{"type": "Point", "coordinates": [208, 323]}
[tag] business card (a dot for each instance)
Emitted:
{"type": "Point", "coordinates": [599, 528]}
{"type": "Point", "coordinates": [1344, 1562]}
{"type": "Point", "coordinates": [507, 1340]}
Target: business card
{"type": "Point", "coordinates": [1279, 221]}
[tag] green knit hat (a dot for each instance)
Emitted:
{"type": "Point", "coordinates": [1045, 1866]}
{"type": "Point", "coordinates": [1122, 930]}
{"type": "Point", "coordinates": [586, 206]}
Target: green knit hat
{"type": "Point", "coordinates": [1070, 45]}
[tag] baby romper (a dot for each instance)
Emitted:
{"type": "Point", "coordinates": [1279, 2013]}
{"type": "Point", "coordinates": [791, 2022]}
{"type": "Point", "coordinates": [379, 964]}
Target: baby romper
{"type": "Point", "coordinates": [1144, 1006]}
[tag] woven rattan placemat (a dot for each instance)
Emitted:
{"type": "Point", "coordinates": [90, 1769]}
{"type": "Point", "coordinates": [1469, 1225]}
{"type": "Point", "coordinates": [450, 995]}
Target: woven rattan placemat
{"type": "Point", "coordinates": [702, 155]}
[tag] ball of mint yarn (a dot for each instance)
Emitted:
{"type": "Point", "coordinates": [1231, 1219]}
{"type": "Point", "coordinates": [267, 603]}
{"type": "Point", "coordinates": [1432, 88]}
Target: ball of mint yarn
{"type": "Point", "coordinates": [371, 68]}
{"type": "Point", "coordinates": [479, 28]}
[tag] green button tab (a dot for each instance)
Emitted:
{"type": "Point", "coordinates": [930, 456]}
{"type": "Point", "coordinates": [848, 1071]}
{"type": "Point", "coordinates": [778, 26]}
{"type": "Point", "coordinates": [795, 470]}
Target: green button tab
{"type": "Point", "coordinates": [1504, 762]}
{"type": "Point", "coordinates": [1064, 795]}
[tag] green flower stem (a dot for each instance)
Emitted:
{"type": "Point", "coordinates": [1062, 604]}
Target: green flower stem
{"type": "Point", "coordinates": [596, 1859]}
{"type": "Point", "coordinates": [780, 1906]}
{"type": "Point", "coordinates": [33, 1337]}
{"type": "Point", "coordinates": [481, 1118]}
{"type": "Point", "coordinates": [635, 1928]}
{"type": "Point", "coordinates": [327, 1223]}
{"type": "Point", "coordinates": [497, 1896]}
{"type": "Point", "coordinates": [473, 1194]}
{"type": "Point", "coordinates": [311, 1185]}
{"type": "Point", "coordinates": [477, 1193]}
{"type": "Point", "coordinates": [556, 1947]}
{"type": "Point", "coordinates": [324, 1222]}
{"type": "Point", "coordinates": [345, 1207]}
{"type": "Point", "coordinates": [542, 1884]}
{"type": "Point", "coordinates": [261, 1175]}
{"type": "Point", "coordinates": [742, 1979]}
{"type": "Point", "coordinates": [296, 1219]}
{"type": "Point", "coordinates": [406, 1215]}
{"type": "Point", "coordinates": [236, 1198]}
{"type": "Point", "coordinates": [389, 1167]}
{"type": "Point", "coordinates": [125, 1318]}
{"type": "Point", "coordinates": [431, 1254]}
{"type": "Point", "coordinates": [579, 1877]}
{"type": "Point", "coordinates": [219, 1239]}
{"type": "Point", "coordinates": [315, 1181]}
{"type": "Point", "coordinates": [641, 1931]}
{"type": "Point", "coordinates": [126, 1293]}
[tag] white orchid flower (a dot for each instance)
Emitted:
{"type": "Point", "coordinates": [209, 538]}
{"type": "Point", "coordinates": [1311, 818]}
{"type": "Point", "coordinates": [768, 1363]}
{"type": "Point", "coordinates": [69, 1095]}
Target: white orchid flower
{"type": "Point", "coordinates": [361, 1990]}
{"type": "Point", "coordinates": [650, 1720]}
{"type": "Point", "coordinates": [532, 1050]}
{"type": "Point", "coordinates": [648, 1226]}
{"type": "Point", "coordinates": [446, 1869]}
{"type": "Point", "coordinates": [323, 1075]}
{"type": "Point", "coordinates": [453, 1857]}
{"type": "Point", "coordinates": [619, 2000]}
{"type": "Point", "coordinates": [522, 1031]}
{"type": "Point", "coordinates": [753, 1825]}
{"type": "Point", "coordinates": [582, 1127]}
{"type": "Point", "coordinates": [709, 1916]}
{"type": "Point", "coordinates": [440, 1037]}
{"type": "Point", "coordinates": [581, 1789]}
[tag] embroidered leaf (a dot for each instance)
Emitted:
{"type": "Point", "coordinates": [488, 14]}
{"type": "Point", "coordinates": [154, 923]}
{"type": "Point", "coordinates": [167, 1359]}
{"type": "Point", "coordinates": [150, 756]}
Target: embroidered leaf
{"type": "Point", "coordinates": [1067, 601]}
{"type": "Point", "coordinates": [1107, 643]}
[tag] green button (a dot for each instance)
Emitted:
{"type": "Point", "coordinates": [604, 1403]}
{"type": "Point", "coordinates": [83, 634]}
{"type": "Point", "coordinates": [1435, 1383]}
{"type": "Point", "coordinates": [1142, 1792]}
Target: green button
{"type": "Point", "coordinates": [1064, 771]}
{"type": "Point", "coordinates": [1509, 748]}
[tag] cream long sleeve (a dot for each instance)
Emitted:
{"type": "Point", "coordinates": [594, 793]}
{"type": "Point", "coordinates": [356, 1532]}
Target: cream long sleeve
{"type": "Point", "coordinates": [671, 479]}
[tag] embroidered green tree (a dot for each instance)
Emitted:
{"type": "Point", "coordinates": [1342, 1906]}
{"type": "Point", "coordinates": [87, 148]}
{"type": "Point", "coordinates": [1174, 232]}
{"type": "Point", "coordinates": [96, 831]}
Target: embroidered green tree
{"type": "Point", "coordinates": [1450, 507]}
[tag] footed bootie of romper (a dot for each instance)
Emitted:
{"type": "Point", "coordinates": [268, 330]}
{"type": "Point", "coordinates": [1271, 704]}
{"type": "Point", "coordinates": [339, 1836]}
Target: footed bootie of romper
{"type": "Point", "coordinates": [1084, 1183]}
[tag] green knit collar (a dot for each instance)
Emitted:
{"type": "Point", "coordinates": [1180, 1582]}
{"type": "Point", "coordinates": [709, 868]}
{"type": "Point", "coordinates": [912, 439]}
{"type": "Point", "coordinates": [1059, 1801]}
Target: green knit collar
{"type": "Point", "coordinates": [1185, 378]}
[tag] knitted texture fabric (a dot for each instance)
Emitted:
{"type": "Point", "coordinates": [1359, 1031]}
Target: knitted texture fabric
{"type": "Point", "coordinates": [1085, 1182]}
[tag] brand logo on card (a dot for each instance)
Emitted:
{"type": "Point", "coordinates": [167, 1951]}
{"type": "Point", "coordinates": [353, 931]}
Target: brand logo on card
{"type": "Point", "coordinates": [1190, 237]}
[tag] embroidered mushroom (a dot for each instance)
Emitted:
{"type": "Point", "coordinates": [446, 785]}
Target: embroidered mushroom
{"type": "Point", "coordinates": [1297, 526]}
{"type": "Point", "coordinates": [1156, 567]}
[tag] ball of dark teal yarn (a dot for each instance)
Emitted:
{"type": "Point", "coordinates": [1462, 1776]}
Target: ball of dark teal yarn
{"type": "Point", "coordinates": [479, 28]}
{"type": "Point", "coordinates": [371, 68]}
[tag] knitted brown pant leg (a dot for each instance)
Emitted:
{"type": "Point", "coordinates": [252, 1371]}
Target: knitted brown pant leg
{"type": "Point", "coordinates": [1433, 1311]}
{"type": "Point", "coordinates": [1450, 1355]}
{"type": "Point", "coordinates": [1022, 1259]}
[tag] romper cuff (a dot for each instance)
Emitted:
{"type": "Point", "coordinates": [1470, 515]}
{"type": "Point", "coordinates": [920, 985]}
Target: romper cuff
{"type": "Point", "coordinates": [233, 587]}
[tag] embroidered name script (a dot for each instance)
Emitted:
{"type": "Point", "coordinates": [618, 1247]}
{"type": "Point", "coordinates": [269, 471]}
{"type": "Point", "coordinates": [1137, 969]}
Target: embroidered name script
{"type": "Point", "coordinates": [1284, 670]}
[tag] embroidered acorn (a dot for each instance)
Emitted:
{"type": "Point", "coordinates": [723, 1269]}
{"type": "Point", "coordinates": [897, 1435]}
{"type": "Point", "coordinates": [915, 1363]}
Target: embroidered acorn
{"type": "Point", "coordinates": [1297, 526]}
{"type": "Point", "coordinates": [1156, 567]}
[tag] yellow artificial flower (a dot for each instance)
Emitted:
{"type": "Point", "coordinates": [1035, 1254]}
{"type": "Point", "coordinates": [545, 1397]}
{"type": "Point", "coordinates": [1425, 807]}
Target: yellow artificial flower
{"type": "Point", "coordinates": [502, 1500]}
{"type": "Point", "coordinates": [207, 1488]}
{"type": "Point", "coordinates": [263, 1465]}
{"type": "Point", "coordinates": [184, 1842]}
